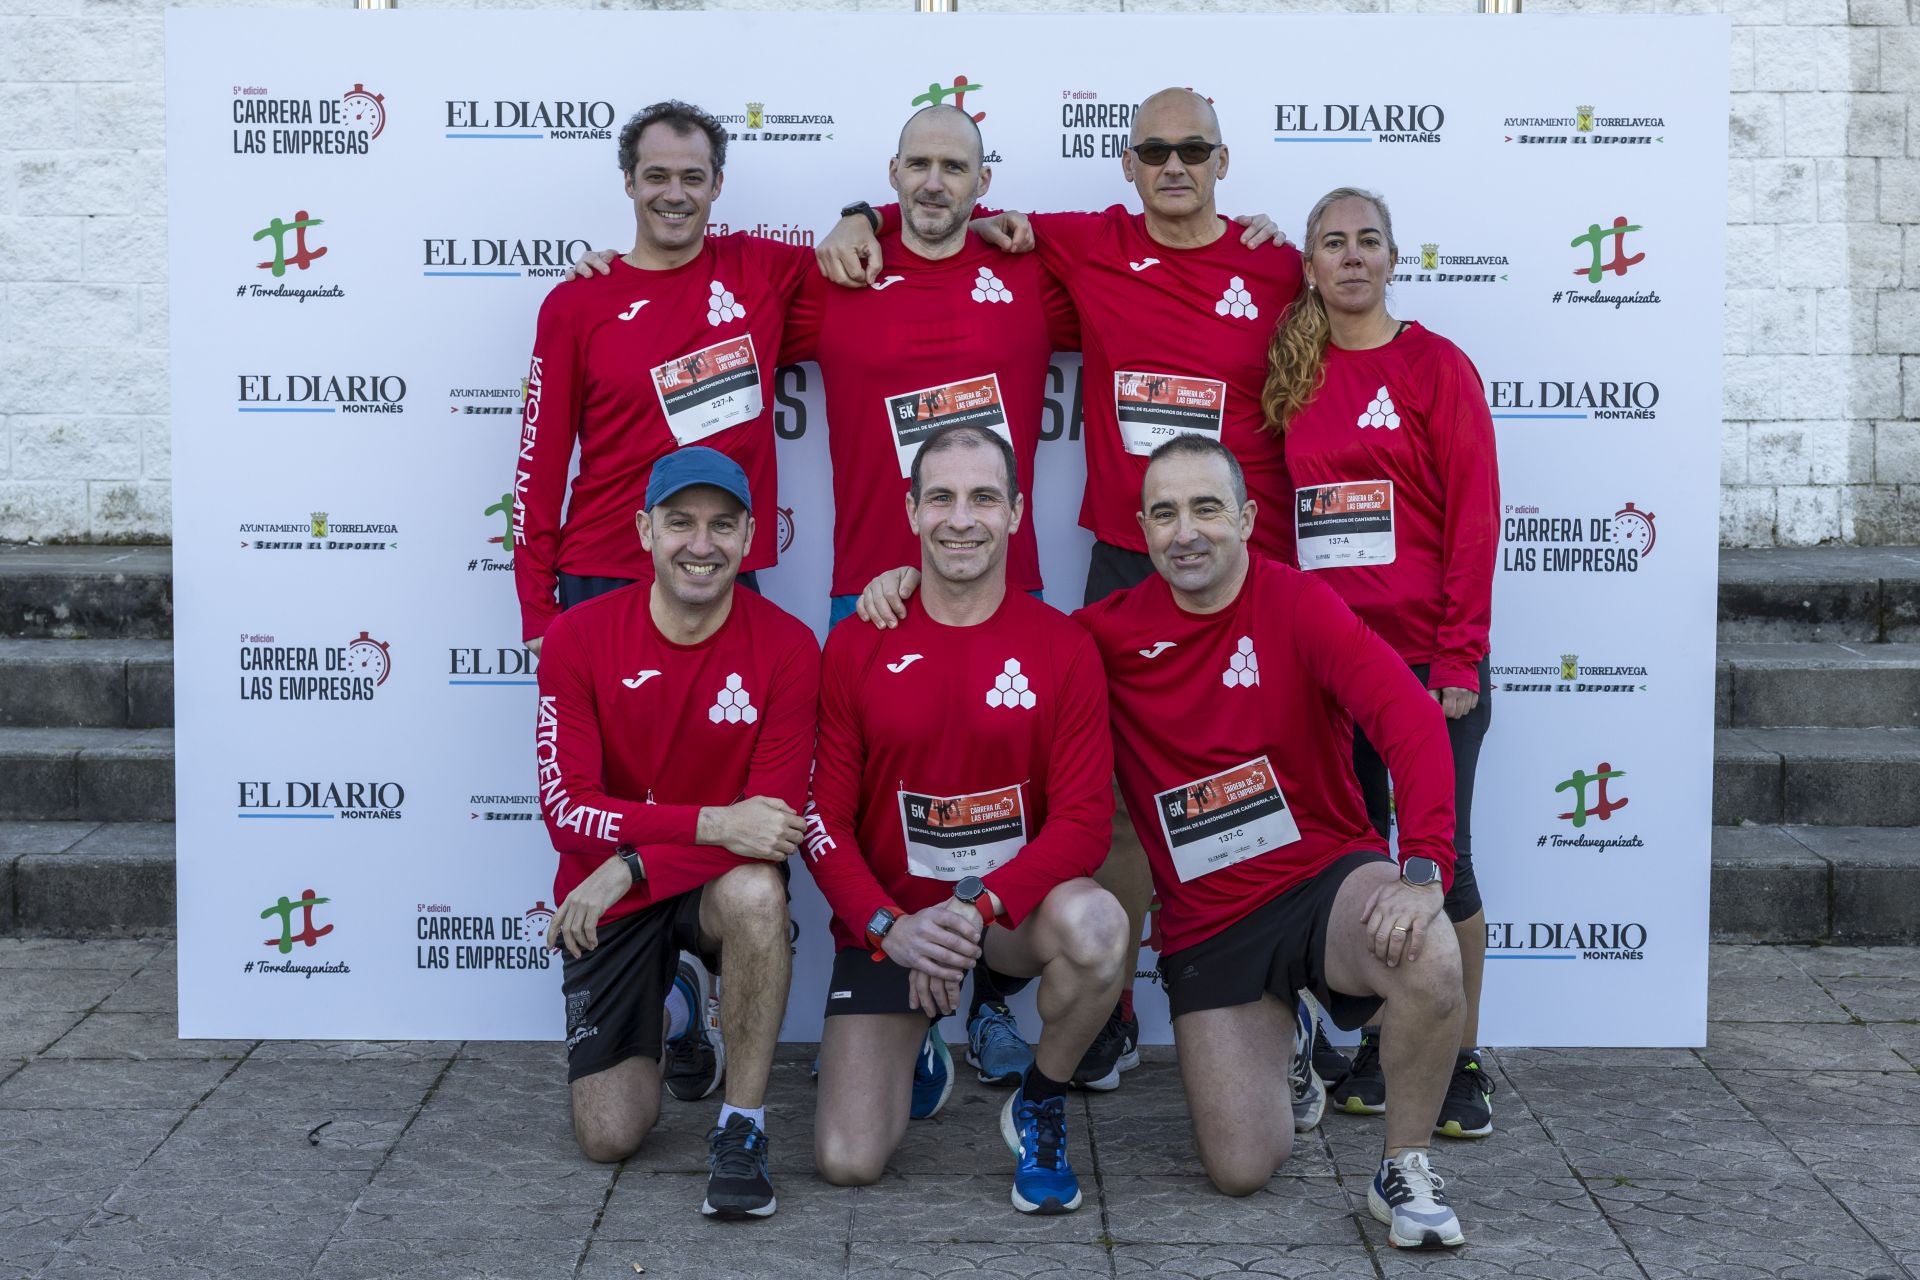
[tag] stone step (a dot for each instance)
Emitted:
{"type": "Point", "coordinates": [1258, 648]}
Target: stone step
{"type": "Point", "coordinates": [1825, 684]}
{"type": "Point", "coordinates": [86, 593]}
{"type": "Point", "coordinates": [1848, 885]}
{"type": "Point", "coordinates": [86, 879]}
{"type": "Point", "coordinates": [1777, 594]}
{"type": "Point", "coordinates": [1771, 884]}
{"type": "Point", "coordinates": [1818, 777]}
{"type": "Point", "coordinates": [107, 684]}
{"type": "Point", "coordinates": [1768, 595]}
{"type": "Point", "coordinates": [86, 775]}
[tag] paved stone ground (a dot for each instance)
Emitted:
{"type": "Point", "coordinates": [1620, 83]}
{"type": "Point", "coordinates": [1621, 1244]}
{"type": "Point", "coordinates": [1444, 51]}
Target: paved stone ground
{"type": "Point", "coordinates": [1789, 1147]}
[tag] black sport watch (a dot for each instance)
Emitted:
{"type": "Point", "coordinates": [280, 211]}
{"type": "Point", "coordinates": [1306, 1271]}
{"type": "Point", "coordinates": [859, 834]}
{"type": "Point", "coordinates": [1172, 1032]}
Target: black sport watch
{"type": "Point", "coordinates": [628, 855]}
{"type": "Point", "coordinates": [864, 210]}
{"type": "Point", "coordinates": [1419, 872]}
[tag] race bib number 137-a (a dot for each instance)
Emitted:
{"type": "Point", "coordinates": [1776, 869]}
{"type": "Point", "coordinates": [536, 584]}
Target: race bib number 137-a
{"type": "Point", "coordinates": [1339, 525]}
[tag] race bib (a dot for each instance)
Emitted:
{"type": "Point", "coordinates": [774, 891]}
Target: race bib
{"type": "Point", "coordinates": [707, 391]}
{"type": "Point", "coordinates": [1153, 408]}
{"type": "Point", "coordinates": [953, 837]}
{"type": "Point", "coordinates": [1234, 815]}
{"type": "Point", "coordinates": [1344, 524]}
{"type": "Point", "coordinates": [915, 415]}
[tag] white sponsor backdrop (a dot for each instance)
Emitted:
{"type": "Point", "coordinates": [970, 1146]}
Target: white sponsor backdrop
{"type": "Point", "coordinates": [1499, 144]}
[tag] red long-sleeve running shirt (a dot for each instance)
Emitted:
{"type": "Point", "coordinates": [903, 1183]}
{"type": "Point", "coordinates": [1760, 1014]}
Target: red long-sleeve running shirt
{"type": "Point", "coordinates": [1175, 342]}
{"type": "Point", "coordinates": [1397, 502]}
{"type": "Point", "coordinates": [1233, 737]}
{"type": "Point", "coordinates": [636, 734]}
{"type": "Point", "coordinates": [954, 751]}
{"type": "Point", "coordinates": [961, 339]}
{"type": "Point", "coordinates": [632, 365]}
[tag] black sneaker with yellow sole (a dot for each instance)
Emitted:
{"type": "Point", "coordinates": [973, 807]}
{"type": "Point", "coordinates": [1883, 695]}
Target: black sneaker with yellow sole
{"type": "Point", "coordinates": [1364, 1090]}
{"type": "Point", "coordinates": [1468, 1109]}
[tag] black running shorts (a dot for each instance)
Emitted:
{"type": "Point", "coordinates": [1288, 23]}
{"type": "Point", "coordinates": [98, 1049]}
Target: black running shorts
{"type": "Point", "coordinates": [1464, 736]}
{"type": "Point", "coordinates": [862, 984]}
{"type": "Point", "coordinates": [1278, 948]}
{"type": "Point", "coordinates": [1111, 569]}
{"type": "Point", "coordinates": [617, 993]}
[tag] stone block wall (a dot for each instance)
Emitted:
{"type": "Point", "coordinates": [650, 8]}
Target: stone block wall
{"type": "Point", "coordinates": [1821, 438]}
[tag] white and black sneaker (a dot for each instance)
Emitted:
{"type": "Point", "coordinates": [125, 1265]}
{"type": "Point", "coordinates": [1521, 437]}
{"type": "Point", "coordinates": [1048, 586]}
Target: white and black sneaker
{"type": "Point", "coordinates": [738, 1184]}
{"type": "Point", "coordinates": [1309, 1092]}
{"type": "Point", "coordinates": [1407, 1195]}
{"type": "Point", "coordinates": [696, 1063]}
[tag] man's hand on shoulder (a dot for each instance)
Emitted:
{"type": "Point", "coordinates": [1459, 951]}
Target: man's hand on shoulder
{"type": "Point", "coordinates": [577, 921]}
{"type": "Point", "coordinates": [1009, 231]}
{"type": "Point", "coordinates": [760, 827]}
{"type": "Point", "coordinates": [884, 603]}
{"type": "Point", "coordinates": [1259, 229]}
{"type": "Point", "coordinates": [850, 255]}
{"type": "Point", "coordinates": [594, 262]}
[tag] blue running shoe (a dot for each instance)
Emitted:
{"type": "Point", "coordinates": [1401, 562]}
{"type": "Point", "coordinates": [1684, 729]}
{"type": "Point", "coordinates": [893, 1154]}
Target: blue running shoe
{"type": "Point", "coordinates": [995, 1047]}
{"type": "Point", "coordinates": [1036, 1133]}
{"type": "Point", "coordinates": [1309, 1093]}
{"type": "Point", "coordinates": [738, 1184]}
{"type": "Point", "coordinates": [932, 1075]}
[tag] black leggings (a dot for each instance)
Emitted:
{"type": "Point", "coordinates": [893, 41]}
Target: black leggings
{"type": "Point", "coordinates": [1464, 735]}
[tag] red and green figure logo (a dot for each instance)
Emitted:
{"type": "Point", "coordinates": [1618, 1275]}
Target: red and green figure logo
{"type": "Point", "coordinates": [1596, 237]}
{"type": "Point", "coordinates": [284, 909]}
{"type": "Point", "coordinates": [1603, 807]}
{"type": "Point", "coordinates": [937, 94]}
{"type": "Point", "coordinates": [302, 257]}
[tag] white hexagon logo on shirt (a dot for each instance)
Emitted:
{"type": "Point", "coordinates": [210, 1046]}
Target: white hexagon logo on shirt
{"type": "Point", "coordinates": [988, 287]}
{"type": "Point", "coordinates": [1380, 412]}
{"type": "Point", "coordinates": [733, 705]}
{"type": "Point", "coordinates": [1237, 302]}
{"type": "Point", "coordinates": [1011, 689]}
{"type": "Point", "coordinates": [722, 306]}
{"type": "Point", "coordinates": [1243, 668]}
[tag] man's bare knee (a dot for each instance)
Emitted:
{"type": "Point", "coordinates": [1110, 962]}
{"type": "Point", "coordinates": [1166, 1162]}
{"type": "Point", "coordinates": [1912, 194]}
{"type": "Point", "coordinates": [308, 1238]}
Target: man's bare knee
{"type": "Point", "coordinates": [605, 1143]}
{"type": "Point", "coordinates": [838, 1163]}
{"type": "Point", "coordinates": [1093, 928]}
{"type": "Point", "coordinates": [1244, 1173]}
{"type": "Point", "coordinates": [750, 896]}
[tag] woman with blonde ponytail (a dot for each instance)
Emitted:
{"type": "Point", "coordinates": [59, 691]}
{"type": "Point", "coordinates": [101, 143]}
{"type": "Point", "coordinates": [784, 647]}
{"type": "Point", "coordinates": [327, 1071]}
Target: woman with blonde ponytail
{"type": "Point", "coordinates": [1396, 501]}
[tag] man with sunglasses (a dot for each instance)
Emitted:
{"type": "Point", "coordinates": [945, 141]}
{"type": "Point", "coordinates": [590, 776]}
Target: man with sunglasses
{"type": "Point", "coordinates": [1175, 317]}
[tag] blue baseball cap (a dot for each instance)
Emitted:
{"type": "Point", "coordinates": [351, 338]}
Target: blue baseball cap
{"type": "Point", "coordinates": [696, 464]}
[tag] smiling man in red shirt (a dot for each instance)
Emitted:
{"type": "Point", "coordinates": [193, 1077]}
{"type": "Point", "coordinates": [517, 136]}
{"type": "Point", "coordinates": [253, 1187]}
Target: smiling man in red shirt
{"type": "Point", "coordinates": [1271, 879]}
{"type": "Point", "coordinates": [961, 805]}
{"type": "Point", "coordinates": [674, 740]}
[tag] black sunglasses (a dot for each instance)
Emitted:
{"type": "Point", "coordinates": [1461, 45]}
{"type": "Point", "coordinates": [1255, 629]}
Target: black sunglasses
{"type": "Point", "coordinates": [1190, 152]}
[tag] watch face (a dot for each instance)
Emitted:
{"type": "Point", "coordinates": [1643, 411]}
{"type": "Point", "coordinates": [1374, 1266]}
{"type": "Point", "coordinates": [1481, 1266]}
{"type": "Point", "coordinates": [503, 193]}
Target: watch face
{"type": "Point", "coordinates": [1420, 871]}
{"type": "Point", "coordinates": [881, 922]}
{"type": "Point", "coordinates": [969, 889]}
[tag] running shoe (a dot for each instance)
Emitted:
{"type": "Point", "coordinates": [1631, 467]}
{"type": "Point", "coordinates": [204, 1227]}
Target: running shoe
{"type": "Point", "coordinates": [1036, 1133]}
{"type": "Point", "coordinates": [1364, 1091]}
{"type": "Point", "coordinates": [1408, 1196]}
{"type": "Point", "coordinates": [696, 1063]}
{"type": "Point", "coordinates": [932, 1075]}
{"type": "Point", "coordinates": [1467, 1111]}
{"type": "Point", "coordinates": [1115, 1049]}
{"type": "Point", "coordinates": [738, 1184]}
{"type": "Point", "coordinates": [1309, 1094]}
{"type": "Point", "coordinates": [995, 1047]}
{"type": "Point", "coordinates": [1328, 1062]}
